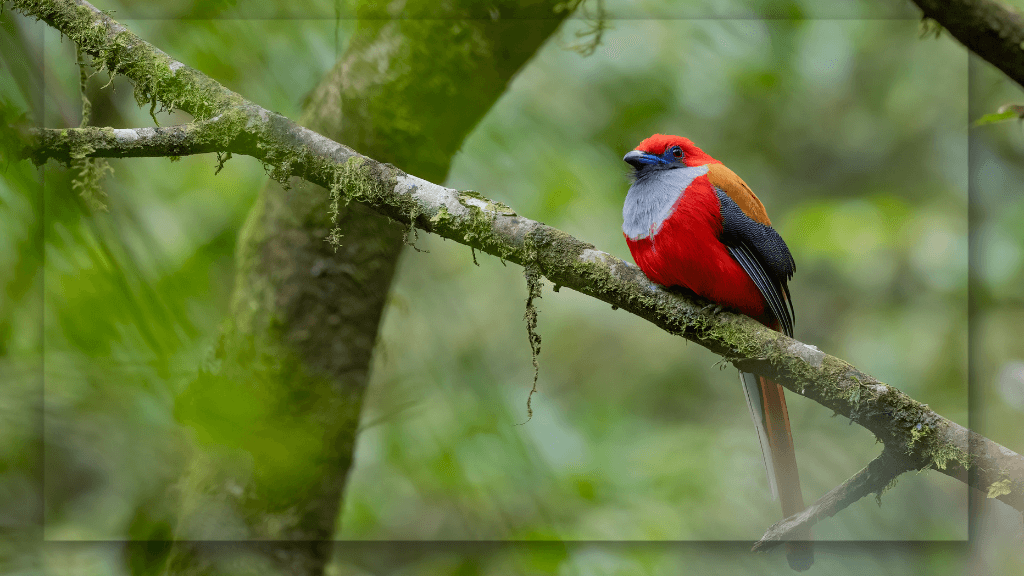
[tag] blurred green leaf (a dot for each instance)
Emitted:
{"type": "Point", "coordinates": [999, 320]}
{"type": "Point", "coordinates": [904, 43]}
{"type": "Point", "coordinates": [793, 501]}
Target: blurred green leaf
{"type": "Point", "coordinates": [997, 117]}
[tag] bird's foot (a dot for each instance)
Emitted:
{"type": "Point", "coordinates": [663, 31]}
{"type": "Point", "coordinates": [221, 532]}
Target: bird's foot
{"type": "Point", "coordinates": [715, 308]}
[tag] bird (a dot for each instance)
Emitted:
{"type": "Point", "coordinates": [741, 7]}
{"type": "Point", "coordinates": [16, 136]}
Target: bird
{"type": "Point", "coordinates": [690, 221]}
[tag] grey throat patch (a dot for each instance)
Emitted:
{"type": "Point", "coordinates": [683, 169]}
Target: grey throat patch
{"type": "Point", "coordinates": [650, 199]}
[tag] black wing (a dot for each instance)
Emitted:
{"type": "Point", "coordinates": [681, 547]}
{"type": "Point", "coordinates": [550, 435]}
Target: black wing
{"type": "Point", "coordinates": [763, 255]}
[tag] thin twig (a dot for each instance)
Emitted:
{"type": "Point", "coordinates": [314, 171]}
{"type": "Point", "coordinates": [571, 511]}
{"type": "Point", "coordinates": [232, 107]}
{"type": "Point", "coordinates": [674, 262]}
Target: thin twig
{"type": "Point", "coordinates": [872, 479]}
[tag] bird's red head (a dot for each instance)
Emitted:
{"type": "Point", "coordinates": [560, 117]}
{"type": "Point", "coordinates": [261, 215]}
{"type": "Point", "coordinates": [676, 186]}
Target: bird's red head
{"type": "Point", "coordinates": [661, 149]}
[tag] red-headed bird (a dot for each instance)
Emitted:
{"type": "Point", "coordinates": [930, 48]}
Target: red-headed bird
{"type": "Point", "coordinates": [689, 221]}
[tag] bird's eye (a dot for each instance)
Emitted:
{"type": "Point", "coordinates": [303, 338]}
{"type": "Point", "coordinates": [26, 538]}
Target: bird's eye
{"type": "Point", "coordinates": [677, 152]}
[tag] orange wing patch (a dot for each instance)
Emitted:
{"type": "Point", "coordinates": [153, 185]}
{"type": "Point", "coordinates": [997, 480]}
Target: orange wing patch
{"type": "Point", "coordinates": [740, 193]}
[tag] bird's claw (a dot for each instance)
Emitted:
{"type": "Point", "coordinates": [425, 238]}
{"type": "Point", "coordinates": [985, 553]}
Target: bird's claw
{"type": "Point", "coordinates": [715, 308]}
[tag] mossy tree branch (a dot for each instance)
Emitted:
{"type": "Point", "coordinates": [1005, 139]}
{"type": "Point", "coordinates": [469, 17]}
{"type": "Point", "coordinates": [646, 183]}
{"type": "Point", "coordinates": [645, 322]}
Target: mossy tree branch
{"type": "Point", "coordinates": [911, 431]}
{"type": "Point", "coordinates": [988, 28]}
{"type": "Point", "coordinates": [924, 437]}
{"type": "Point", "coordinates": [181, 140]}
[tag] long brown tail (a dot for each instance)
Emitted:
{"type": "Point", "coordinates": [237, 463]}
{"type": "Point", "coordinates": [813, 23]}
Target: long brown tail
{"type": "Point", "coordinates": [767, 404]}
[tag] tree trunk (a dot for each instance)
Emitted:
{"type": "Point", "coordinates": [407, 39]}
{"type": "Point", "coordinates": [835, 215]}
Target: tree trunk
{"type": "Point", "coordinates": [273, 416]}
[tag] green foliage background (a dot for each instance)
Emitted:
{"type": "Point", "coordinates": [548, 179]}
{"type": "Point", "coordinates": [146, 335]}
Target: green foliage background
{"type": "Point", "coordinates": [906, 226]}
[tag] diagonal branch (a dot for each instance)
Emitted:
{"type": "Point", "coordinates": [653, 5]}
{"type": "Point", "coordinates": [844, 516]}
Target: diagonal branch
{"type": "Point", "coordinates": [909, 429]}
{"type": "Point", "coordinates": [872, 479]}
{"type": "Point", "coordinates": [988, 28]}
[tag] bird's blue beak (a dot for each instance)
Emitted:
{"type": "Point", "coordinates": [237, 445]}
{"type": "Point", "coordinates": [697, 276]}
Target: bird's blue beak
{"type": "Point", "coordinates": [638, 159]}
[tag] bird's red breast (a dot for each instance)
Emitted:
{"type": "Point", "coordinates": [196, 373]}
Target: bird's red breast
{"type": "Point", "coordinates": [685, 250]}
{"type": "Point", "coordinates": [679, 214]}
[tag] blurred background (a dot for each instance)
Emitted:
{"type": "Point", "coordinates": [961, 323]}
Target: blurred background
{"type": "Point", "coordinates": [851, 125]}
